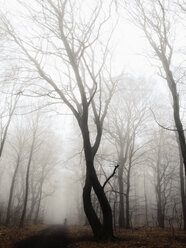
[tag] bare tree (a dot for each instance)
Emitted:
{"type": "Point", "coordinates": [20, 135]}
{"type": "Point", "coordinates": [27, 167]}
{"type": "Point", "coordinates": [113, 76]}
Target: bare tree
{"type": "Point", "coordinates": [42, 169]}
{"type": "Point", "coordinates": [84, 84]}
{"type": "Point", "coordinates": [124, 124]}
{"type": "Point", "coordinates": [28, 167]}
{"type": "Point", "coordinates": [11, 191]}
{"type": "Point", "coordinates": [18, 147]}
{"type": "Point", "coordinates": [164, 171]}
{"type": "Point", "coordinates": [154, 20]}
{"type": "Point", "coordinates": [11, 101]}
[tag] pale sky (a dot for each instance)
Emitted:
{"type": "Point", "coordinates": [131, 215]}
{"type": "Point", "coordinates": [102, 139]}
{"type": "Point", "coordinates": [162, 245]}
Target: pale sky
{"type": "Point", "coordinates": [129, 43]}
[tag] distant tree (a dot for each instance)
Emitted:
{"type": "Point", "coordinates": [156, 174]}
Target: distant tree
{"type": "Point", "coordinates": [164, 171]}
{"type": "Point", "coordinates": [124, 127]}
{"type": "Point", "coordinates": [8, 106]}
{"type": "Point", "coordinates": [18, 149]}
{"type": "Point", "coordinates": [42, 165]}
{"type": "Point", "coordinates": [155, 19]}
{"type": "Point", "coordinates": [42, 170]}
{"type": "Point", "coordinates": [28, 168]}
{"type": "Point", "coordinates": [11, 100]}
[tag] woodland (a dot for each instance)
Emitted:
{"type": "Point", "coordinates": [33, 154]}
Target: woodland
{"type": "Point", "coordinates": [92, 123]}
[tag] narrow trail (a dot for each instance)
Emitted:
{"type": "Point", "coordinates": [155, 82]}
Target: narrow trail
{"type": "Point", "coordinates": [52, 237]}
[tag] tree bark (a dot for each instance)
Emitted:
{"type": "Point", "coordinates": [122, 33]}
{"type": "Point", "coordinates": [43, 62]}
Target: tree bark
{"type": "Point", "coordinates": [176, 110]}
{"type": "Point", "coordinates": [182, 187]}
{"type": "Point", "coordinates": [104, 230]}
{"type": "Point", "coordinates": [122, 161]}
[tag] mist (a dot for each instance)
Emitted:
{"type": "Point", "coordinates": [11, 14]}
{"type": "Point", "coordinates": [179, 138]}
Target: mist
{"type": "Point", "coordinates": [92, 116]}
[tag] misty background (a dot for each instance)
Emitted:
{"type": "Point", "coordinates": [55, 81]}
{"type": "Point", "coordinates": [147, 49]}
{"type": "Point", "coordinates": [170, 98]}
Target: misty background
{"type": "Point", "coordinates": [40, 132]}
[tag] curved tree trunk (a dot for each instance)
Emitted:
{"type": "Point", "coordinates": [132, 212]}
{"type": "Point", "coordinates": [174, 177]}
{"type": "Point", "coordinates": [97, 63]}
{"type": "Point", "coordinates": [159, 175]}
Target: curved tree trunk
{"type": "Point", "coordinates": [101, 230]}
{"type": "Point", "coordinates": [89, 210]}
{"type": "Point", "coordinates": [176, 111]}
{"type": "Point", "coordinates": [104, 230]}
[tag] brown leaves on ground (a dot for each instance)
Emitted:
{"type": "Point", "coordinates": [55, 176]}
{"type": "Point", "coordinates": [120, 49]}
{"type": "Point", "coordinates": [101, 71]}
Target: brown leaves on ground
{"type": "Point", "coordinates": [81, 237]}
{"type": "Point", "coordinates": [143, 238]}
{"type": "Point", "coordinates": [11, 235]}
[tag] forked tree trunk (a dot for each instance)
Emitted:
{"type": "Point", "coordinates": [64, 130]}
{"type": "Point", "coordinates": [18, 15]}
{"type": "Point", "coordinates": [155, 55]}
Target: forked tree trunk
{"type": "Point", "coordinates": [101, 230]}
{"type": "Point", "coordinates": [89, 210]}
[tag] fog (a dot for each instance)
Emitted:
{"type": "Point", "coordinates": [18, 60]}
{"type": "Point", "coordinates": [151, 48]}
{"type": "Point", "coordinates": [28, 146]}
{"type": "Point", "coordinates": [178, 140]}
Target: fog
{"type": "Point", "coordinates": [92, 113]}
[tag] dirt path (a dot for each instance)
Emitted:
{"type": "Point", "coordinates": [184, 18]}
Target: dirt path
{"type": "Point", "coordinates": [52, 237]}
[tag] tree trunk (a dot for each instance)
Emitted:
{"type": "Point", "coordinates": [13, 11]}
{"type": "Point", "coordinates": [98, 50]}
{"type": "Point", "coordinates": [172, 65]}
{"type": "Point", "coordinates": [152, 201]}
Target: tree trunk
{"type": "Point", "coordinates": [127, 198]}
{"type": "Point", "coordinates": [89, 210]}
{"type": "Point", "coordinates": [176, 108]}
{"type": "Point", "coordinates": [146, 202]}
{"type": "Point", "coordinates": [11, 192]}
{"type": "Point", "coordinates": [121, 201]}
{"type": "Point", "coordinates": [38, 208]}
{"type": "Point", "coordinates": [182, 188]}
{"type": "Point", "coordinates": [160, 214]}
{"type": "Point", "coordinates": [32, 208]}
{"type": "Point", "coordinates": [114, 211]}
{"type": "Point", "coordinates": [21, 223]}
{"type": "Point", "coordinates": [122, 223]}
{"type": "Point", "coordinates": [104, 230]}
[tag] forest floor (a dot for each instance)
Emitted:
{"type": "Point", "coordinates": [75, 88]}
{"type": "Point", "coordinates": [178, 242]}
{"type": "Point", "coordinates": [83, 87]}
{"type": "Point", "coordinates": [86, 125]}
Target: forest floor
{"type": "Point", "coordinates": [81, 237]}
